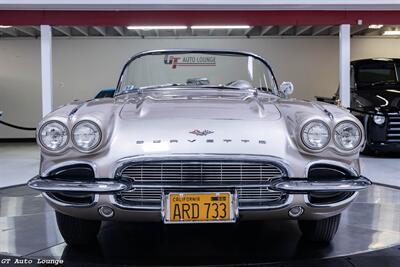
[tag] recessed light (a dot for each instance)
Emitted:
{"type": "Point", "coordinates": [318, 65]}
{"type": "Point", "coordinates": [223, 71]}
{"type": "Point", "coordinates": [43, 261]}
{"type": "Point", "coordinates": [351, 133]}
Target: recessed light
{"type": "Point", "coordinates": [204, 27]}
{"type": "Point", "coordinates": [375, 26]}
{"type": "Point", "coordinates": [4, 27]}
{"type": "Point", "coordinates": [148, 28]}
{"type": "Point", "coordinates": [391, 33]}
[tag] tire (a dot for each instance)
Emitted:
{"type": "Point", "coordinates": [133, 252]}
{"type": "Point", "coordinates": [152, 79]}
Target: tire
{"type": "Point", "coordinates": [77, 232]}
{"type": "Point", "coordinates": [320, 230]}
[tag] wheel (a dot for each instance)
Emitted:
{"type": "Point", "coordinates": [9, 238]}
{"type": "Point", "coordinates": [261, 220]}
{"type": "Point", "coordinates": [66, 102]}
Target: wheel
{"type": "Point", "coordinates": [320, 230]}
{"type": "Point", "coordinates": [75, 231]}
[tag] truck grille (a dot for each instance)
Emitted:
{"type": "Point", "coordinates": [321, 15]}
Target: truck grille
{"type": "Point", "coordinates": [393, 130]}
{"type": "Point", "coordinates": [205, 174]}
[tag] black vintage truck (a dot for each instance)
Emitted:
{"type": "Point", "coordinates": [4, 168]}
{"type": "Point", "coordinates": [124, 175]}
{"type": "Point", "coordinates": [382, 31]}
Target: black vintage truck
{"type": "Point", "coordinates": [375, 101]}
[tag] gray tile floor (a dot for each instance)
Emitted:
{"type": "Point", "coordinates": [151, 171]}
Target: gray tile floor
{"type": "Point", "coordinates": [20, 161]}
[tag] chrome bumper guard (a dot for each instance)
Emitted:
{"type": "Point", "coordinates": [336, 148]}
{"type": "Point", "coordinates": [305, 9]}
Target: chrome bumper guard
{"type": "Point", "coordinates": [304, 186]}
{"type": "Point", "coordinates": [99, 186]}
{"type": "Point", "coordinates": [292, 185]}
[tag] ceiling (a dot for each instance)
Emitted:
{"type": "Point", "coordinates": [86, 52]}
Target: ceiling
{"type": "Point", "coordinates": [253, 31]}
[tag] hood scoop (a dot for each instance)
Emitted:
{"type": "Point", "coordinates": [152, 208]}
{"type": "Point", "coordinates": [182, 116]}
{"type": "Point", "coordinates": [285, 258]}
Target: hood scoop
{"type": "Point", "coordinates": [196, 106]}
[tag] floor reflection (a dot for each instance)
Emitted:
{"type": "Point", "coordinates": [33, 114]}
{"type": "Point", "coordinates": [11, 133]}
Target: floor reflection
{"type": "Point", "coordinates": [28, 228]}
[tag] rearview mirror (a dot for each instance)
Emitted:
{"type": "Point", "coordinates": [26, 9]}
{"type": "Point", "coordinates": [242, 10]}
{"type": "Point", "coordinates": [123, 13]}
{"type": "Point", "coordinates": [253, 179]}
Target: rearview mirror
{"type": "Point", "coordinates": [286, 88]}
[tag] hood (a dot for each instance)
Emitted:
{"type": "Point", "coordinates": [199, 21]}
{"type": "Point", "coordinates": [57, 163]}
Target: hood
{"type": "Point", "coordinates": [385, 99]}
{"type": "Point", "coordinates": [195, 104]}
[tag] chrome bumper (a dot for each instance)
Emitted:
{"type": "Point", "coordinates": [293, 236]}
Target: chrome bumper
{"type": "Point", "coordinates": [292, 185]}
{"type": "Point", "coordinates": [99, 186]}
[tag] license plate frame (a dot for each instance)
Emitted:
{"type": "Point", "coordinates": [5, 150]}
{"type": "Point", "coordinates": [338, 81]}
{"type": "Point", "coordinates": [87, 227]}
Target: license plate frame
{"type": "Point", "coordinates": [166, 209]}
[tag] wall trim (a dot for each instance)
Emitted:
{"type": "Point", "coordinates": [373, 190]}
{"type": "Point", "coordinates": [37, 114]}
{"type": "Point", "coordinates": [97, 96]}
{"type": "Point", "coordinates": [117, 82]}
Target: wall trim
{"type": "Point", "coordinates": [17, 140]}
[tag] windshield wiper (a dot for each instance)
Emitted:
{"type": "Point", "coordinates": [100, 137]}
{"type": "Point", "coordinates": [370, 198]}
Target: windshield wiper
{"type": "Point", "coordinates": [221, 86]}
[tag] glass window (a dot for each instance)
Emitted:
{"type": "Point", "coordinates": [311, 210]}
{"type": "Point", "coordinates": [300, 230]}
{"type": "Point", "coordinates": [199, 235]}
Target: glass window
{"type": "Point", "coordinates": [223, 70]}
{"type": "Point", "coordinates": [376, 72]}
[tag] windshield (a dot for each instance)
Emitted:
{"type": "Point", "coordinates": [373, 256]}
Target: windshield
{"type": "Point", "coordinates": [377, 73]}
{"type": "Point", "coordinates": [223, 70]}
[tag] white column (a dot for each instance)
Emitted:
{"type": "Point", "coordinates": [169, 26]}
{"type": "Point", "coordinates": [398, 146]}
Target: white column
{"type": "Point", "coordinates": [47, 72]}
{"type": "Point", "coordinates": [344, 65]}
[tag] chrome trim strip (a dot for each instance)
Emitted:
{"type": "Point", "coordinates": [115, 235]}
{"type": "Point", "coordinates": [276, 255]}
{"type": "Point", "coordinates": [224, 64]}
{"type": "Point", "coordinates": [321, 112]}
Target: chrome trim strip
{"type": "Point", "coordinates": [197, 185]}
{"type": "Point", "coordinates": [288, 201]}
{"type": "Point", "coordinates": [71, 205]}
{"type": "Point", "coordinates": [285, 167]}
{"type": "Point", "coordinates": [330, 205]}
{"type": "Point", "coordinates": [306, 186]}
{"type": "Point", "coordinates": [103, 186]}
{"type": "Point", "coordinates": [67, 163]}
{"type": "Point", "coordinates": [345, 166]}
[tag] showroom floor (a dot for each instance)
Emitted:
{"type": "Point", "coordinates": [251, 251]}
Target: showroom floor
{"type": "Point", "coordinates": [28, 229]}
{"type": "Point", "coordinates": [370, 227]}
{"type": "Point", "coordinates": [20, 161]}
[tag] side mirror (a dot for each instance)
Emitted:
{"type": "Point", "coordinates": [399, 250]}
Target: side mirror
{"type": "Point", "coordinates": [286, 88]}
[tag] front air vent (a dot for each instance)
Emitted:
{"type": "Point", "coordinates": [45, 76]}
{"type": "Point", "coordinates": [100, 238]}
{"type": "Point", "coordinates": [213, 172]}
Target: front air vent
{"type": "Point", "coordinates": [326, 172]}
{"type": "Point", "coordinates": [75, 172]}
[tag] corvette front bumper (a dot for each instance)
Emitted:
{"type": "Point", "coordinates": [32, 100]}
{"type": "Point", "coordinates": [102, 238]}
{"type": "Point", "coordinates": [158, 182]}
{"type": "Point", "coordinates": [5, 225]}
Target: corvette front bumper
{"type": "Point", "coordinates": [292, 185]}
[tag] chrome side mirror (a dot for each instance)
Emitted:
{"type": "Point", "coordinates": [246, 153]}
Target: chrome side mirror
{"type": "Point", "coordinates": [286, 88]}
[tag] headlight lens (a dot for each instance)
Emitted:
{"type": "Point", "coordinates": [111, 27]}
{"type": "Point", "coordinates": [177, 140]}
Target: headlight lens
{"type": "Point", "coordinates": [53, 136]}
{"type": "Point", "coordinates": [347, 135]}
{"type": "Point", "coordinates": [315, 135]}
{"type": "Point", "coordinates": [86, 135]}
{"type": "Point", "coordinates": [379, 119]}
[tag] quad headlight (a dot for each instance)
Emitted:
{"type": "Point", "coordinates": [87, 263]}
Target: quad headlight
{"type": "Point", "coordinates": [53, 136]}
{"type": "Point", "coordinates": [315, 135]}
{"type": "Point", "coordinates": [347, 135]}
{"type": "Point", "coordinates": [86, 135]}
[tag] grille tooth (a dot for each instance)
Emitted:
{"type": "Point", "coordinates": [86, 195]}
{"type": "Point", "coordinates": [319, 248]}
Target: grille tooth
{"type": "Point", "coordinates": [203, 173]}
{"type": "Point", "coordinates": [393, 130]}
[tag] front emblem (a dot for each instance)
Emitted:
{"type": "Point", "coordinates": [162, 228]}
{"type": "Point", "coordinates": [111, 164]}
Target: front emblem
{"type": "Point", "coordinates": [201, 133]}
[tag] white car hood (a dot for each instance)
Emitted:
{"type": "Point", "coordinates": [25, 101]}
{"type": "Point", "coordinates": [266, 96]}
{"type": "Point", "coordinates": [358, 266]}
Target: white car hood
{"type": "Point", "coordinates": [209, 106]}
{"type": "Point", "coordinates": [229, 124]}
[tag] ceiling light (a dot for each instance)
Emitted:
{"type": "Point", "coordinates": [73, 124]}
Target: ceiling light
{"type": "Point", "coordinates": [4, 27]}
{"type": "Point", "coordinates": [375, 26]}
{"type": "Point", "coordinates": [391, 33]}
{"type": "Point", "coordinates": [203, 27]}
{"type": "Point", "coordinates": [148, 28]}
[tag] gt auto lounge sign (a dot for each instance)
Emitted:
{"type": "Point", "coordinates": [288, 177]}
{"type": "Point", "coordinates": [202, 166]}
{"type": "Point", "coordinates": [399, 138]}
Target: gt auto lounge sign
{"type": "Point", "coordinates": [192, 61]}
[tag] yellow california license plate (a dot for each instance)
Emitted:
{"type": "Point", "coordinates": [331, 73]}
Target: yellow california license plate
{"type": "Point", "coordinates": [199, 207]}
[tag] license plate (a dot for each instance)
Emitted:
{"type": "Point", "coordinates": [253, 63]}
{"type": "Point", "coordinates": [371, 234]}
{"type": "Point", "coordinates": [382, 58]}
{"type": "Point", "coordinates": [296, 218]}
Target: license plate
{"type": "Point", "coordinates": [199, 207]}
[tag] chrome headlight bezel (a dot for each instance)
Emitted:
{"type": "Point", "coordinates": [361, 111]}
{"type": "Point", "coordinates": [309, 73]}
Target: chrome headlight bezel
{"type": "Point", "coordinates": [307, 143]}
{"type": "Point", "coordinates": [95, 144]}
{"type": "Point", "coordinates": [43, 144]}
{"type": "Point", "coordinates": [337, 142]}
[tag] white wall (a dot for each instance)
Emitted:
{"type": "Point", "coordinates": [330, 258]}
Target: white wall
{"type": "Point", "coordinates": [84, 66]}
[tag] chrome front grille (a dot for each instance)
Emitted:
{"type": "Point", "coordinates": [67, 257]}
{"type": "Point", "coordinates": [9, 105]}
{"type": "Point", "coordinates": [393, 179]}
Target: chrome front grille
{"type": "Point", "coordinates": [393, 130]}
{"type": "Point", "coordinates": [205, 175]}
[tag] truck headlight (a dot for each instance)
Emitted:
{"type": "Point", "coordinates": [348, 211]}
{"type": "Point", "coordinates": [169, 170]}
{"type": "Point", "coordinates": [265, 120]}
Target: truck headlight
{"type": "Point", "coordinates": [315, 135]}
{"type": "Point", "coordinates": [378, 119]}
{"type": "Point", "coordinates": [86, 135]}
{"type": "Point", "coordinates": [53, 135]}
{"type": "Point", "coordinates": [347, 135]}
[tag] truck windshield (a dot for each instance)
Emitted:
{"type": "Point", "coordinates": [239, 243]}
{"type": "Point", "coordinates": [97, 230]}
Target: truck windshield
{"type": "Point", "coordinates": [377, 73]}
